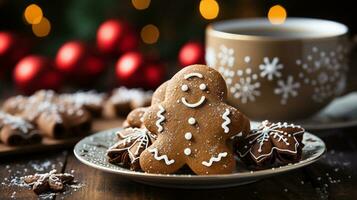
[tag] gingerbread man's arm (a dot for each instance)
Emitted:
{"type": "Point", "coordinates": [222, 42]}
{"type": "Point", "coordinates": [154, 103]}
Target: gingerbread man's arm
{"type": "Point", "coordinates": [154, 118]}
{"type": "Point", "coordinates": [234, 123]}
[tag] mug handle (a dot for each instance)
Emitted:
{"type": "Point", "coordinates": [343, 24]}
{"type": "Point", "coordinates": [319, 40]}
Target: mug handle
{"type": "Point", "coordinates": [351, 85]}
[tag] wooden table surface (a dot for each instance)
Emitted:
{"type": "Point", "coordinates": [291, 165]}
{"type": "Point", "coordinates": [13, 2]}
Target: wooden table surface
{"type": "Point", "coordinates": [333, 177]}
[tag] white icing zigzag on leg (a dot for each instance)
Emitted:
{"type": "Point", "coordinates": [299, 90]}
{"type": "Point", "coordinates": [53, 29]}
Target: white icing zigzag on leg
{"type": "Point", "coordinates": [226, 121]}
{"type": "Point", "coordinates": [162, 157]}
{"type": "Point", "coordinates": [214, 159]}
{"type": "Point", "coordinates": [161, 117]}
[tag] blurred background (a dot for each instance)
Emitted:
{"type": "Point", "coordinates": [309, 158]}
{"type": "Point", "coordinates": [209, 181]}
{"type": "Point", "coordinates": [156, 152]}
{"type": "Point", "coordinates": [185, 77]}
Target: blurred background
{"type": "Point", "coordinates": [85, 44]}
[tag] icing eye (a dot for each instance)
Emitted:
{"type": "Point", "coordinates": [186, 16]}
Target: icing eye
{"type": "Point", "coordinates": [184, 87]}
{"type": "Point", "coordinates": [203, 86]}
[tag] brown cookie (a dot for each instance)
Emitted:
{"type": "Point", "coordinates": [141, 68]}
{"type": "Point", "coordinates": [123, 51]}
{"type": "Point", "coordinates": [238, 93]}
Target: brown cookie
{"type": "Point", "coordinates": [17, 131]}
{"type": "Point", "coordinates": [123, 100]}
{"type": "Point", "coordinates": [126, 152]}
{"type": "Point", "coordinates": [54, 116]}
{"type": "Point", "coordinates": [47, 182]}
{"type": "Point", "coordinates": [91, 101]}
{"type": "Point", "coordinates": [193, 124]}
{"type": "Point", "coordinates": [135, 118]}
{"type": "Point", "coordinates": [271, 144]}
{"type": "Point", "coordinates": [14, 105]}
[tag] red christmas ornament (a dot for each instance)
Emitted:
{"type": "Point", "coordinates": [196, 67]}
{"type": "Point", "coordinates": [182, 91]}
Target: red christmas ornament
{"type": "Point", "coordinates": [115, 37]}
{"type": "Point", "coordinates": [128, 69]}
{"type": "Point", "coordinates": [74, 58]}
{"type": "Point", "coordinates": [69, 57]}
{"type": "Point", "coordinates": [191, 53]}
{"type": "Point", "coordinates": [12, 49]}
{"type": "Point", "coordinates": [36, 72]}
{"type": "Point", "coordinates": [135, 70]}
{"type": "Point", "coordinates": [154, 74]}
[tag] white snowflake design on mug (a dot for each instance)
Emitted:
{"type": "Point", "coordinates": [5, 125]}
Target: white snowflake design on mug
{"type": "Point", "coordinates": [324, 65]}
{"type": "Point", "coordinates": [327, 65]}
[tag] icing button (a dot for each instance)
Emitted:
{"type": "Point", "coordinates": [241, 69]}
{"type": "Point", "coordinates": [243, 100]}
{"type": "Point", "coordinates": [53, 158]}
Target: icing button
{"type": "Point", "coordinates": [187, 151]}
{"type": "Point", "coordinates": [192, 121]}
{"type": "Point", "coordinates": [188, 136]}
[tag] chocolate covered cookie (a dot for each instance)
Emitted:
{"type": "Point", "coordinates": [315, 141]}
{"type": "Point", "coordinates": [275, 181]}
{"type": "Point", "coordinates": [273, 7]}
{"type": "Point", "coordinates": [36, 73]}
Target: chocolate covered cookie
{"type": "Point", "coordinates": [132, 142]}
{"type": "Point", "coordinates": [14, 105]}
{"type": "Point", "coordinates": [271, 144]}
{"type": "Point", "coordinates": [123, 100]}
{"type": "Point", "coordinates": [91, 101]}
{"type": "Point", "coordinates": [48, 182]}
{"type": "Point", "coordinates": [53, 116]}
{"type": "Point", "coordinates": [17, 131]}
{"type": "Point", "coordinates": [193, 124]}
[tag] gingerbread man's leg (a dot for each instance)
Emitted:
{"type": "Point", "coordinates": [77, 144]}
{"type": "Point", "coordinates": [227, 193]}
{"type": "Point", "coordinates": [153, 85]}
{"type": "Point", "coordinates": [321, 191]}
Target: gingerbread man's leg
{"type": "Point", "coordinates": [157, 159]}
{"type": "Point", "coordinates": [222, 162]}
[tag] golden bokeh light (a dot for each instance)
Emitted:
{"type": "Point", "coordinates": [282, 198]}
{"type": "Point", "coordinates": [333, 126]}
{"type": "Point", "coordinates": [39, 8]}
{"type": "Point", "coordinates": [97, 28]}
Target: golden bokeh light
{"type": "Point", "coordinates": [150, 34]}
{"type": "Point", "coordinates": [33, 14]}
{"type": "Point", "coordinates": [209, 9]}
{"type": "Point", "coordinates": [277, 14]}
{"type": "Point", "coordinates": [141, 4]}
{"type": "Point", "coordinates": [42, 29]}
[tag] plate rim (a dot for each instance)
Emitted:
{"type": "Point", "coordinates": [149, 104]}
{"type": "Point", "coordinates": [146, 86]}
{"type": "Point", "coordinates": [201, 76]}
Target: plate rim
{"type": "Point", "coordinates": [249, 174]}
{"type": "Point", "coordinates": [322, 126]}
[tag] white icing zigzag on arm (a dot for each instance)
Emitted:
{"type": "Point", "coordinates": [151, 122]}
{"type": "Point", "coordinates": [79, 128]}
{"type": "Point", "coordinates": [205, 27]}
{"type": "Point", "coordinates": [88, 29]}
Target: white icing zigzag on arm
{"type": "Point", "coordinates": [162, 157]}
{"type": "Point", "coordinates": [214, 159]}
{"type": "Point", "coordinates": [226, 121]}
{"type": "Point", "coordinates": [194, 74]}
{"type": "Point", "coordinates": [161, 117]}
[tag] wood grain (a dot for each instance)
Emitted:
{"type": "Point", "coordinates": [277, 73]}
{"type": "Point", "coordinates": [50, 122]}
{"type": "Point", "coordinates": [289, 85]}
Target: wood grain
{"type": "Point", "coordinates": [12, 167]}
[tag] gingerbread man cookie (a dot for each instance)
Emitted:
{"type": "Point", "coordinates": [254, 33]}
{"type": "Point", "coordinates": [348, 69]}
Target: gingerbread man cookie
{"type": "Point", "coordinates": [193, 125]}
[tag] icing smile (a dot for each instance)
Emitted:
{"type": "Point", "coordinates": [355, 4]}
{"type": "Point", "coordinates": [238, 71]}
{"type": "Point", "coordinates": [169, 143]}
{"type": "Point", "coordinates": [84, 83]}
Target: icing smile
{"type": "Point", "coordinates": [193, 105]}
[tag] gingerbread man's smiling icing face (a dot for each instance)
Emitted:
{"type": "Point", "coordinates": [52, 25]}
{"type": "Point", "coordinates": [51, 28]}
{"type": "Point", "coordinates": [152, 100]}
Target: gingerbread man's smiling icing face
{"type": "Point", "coordinates": [196, 88]}
{"type": "Point", "coordinates": [193, 124]}
{"type": "Point", "coordinates": [185, 88]}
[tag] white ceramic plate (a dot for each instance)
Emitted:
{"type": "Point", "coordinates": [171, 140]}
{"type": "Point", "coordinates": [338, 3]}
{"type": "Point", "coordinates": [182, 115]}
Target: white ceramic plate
{"type": "Point", "coordinates": [92, 152]}
{"type": "Point", "coordinates": [340, 113]}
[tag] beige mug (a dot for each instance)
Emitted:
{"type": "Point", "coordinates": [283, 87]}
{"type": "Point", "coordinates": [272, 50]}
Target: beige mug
{"type": "Point", "coordinates": [288, 71]}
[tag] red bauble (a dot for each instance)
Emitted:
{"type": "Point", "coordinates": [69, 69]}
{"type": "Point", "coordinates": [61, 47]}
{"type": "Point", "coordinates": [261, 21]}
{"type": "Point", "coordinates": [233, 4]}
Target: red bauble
{"type": "Point", "coordinates": [154, 74]}
{"type": "Point", "coordinates": [191, 53]}
{"type": "Point", "coordinates": [115, 37]}
{"type": "Point", "coordinates": [36, 72]}
{"type": "Point", "coordinates": [134, 70]}
{"type": "Point", "coordinates": [69, 56]}
{"type": "Point", "coordinates": [74, 58]}
{"type": "Point", "coordinates": [12, 48]}
{"type": "Point", "coordinates": [128, 69]}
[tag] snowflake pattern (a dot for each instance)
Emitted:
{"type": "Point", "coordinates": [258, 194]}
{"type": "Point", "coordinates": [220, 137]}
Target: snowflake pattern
{"type": "Point", "coordinates": [269, 138]}
{"type": "Point", "coordinates": [287, 89]}
{"type": "Point", "coordinates": [210, 57]}
{"type": "Point", "coordinates": [321, 69]}
{"type": "Point", "coordinates": [245, 89]}
{"type": "Point", "coordinates": [226, 56]}
{"type": "Point", "coordinates": [270, 69]}
{"type": "Point", "coordinates": [329, 69]}
{"type": "Point", "coordinates": [227, 73]}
